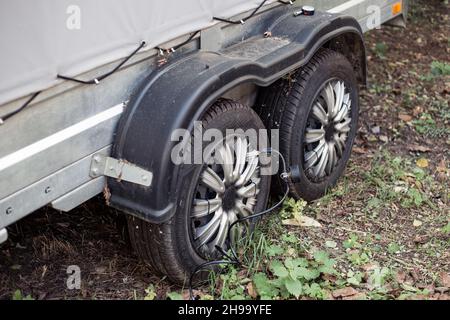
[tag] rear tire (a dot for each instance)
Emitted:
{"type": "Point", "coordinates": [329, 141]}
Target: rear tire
{"type": "Point", "coordinates": [288, 105]}
{"type": "Point", "coordinates": [171, 248]}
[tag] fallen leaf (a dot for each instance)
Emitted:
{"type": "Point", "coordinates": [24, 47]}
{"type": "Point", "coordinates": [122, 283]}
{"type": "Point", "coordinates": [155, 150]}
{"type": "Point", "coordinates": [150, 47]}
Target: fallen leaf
{"type": "Point", "coordinates": [376, 130]}
{"type": "Point", "coordinates": [405, 117]}
{"type": "Point", "coordinates": [421, 239]}
{"type": "Point", "coordinates": [400, 276]}
{"type": "Point", "coordinates": [370, 266]}
{"type": "Point", "coordinates": [441, 167]}
{"type": "Point", "coordinates": [344, 292]}
{"type": "Point", "coordinates": [358, 296]}
{"type": "Point", "coordinates": [384, 138]}
{"type": "Point", "coordinates": [417, 223]}
{"type": "Point", "coordinates": [251, 290]}
{"type": "Point", "coordinates": [418, 148]}
{"type": "Point", "coordinates": [417, 110]}
{"type": "Point", "coordinates": [359, 150]}
{"type": "Point", "coordinates": [444, 279]}
{"type": "Point", "coordinates": [422, 163]}
{"type": "Point", "coordinates": [302, 221]}
{"type": "Point", "coordinates": [330, 244]}
{"type": "Point", "coordinates": [400, 189]}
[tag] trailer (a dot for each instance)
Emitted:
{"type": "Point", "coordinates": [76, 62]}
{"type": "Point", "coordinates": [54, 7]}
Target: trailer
{"type": "Point", "coordinates": [91, 93]}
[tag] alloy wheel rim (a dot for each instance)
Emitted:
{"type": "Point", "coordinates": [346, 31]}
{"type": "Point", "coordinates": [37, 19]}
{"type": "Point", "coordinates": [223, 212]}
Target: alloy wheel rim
{"type": "Point", "coordinates": [327, 130]}
{"type": "Point", "coordinates": [226, 192]}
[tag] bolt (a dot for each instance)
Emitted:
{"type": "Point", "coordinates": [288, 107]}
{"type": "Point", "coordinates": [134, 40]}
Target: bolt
{"type": "Point", "coordinates": [97, 159]}
{"type": "Point", "coordinates": [144, 178]}
{"type": "Point", "coordinates": [9, 210]}
{"type": "Point", "coordinates": [48, 190]}
{"type": "Point", "coordinates": [95, 171]}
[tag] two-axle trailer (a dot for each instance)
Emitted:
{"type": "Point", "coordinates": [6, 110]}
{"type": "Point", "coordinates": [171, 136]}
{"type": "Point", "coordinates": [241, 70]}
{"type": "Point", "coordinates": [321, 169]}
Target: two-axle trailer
{"type": "Point", "coordinates": [92, 91]}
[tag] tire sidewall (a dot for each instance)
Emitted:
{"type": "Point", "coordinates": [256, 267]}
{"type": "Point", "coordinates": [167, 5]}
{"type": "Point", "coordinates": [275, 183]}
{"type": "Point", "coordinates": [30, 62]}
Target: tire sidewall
{"type": "Point", "coordinates": [340, 69]}
{"type": "Point", "coordinates": [189, 258]}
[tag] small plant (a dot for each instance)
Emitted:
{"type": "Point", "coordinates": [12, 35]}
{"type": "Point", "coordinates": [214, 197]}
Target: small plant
{"type": "Point", "coordinates": [440, 68]}
{"type": "Point", "coordinates": [294, 277]}
{"type": "Point", "coordinates": [150, 293]}
{"type": "Point", "coordinates": [174, 296]}
{"type": "Point", "coordinates": [380, 50]}
{"type": "Point", "coordinates": [17, 295]}
{"type": "Point", "coordinates": [446, 229]}
{"type": "Point", "coordinates": [358, 258]}
{"type": "Point", "coordinates": [351, 242]}
{"type": "Point", "coordinates": [233, 286]}
{"type": "Point", "coordinates": [378, 277]}
{"type": "Point", "coordinates": [424, 124]}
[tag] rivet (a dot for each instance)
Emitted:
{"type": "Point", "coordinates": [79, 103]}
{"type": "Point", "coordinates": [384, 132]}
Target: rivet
{"type": "Point", "coordinates": [48, 190]}
{"type": "Point", "coordinates": [9, 210]}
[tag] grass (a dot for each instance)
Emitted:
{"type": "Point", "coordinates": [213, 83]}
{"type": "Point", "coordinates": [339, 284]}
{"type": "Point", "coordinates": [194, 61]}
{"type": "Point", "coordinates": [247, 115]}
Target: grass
{"type": "Point", "coordinates": [353, 257]}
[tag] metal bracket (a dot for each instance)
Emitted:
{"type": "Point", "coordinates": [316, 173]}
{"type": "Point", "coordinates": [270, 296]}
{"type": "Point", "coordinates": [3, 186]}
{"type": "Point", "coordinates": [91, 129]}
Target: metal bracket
{"type": "Point", "coordinates": [102, 165]}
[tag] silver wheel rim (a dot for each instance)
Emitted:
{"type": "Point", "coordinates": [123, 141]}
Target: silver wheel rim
{"type": "Point", "coordinates": [327, 129]}
{"type": "Point", "coordinates": [225, 193]}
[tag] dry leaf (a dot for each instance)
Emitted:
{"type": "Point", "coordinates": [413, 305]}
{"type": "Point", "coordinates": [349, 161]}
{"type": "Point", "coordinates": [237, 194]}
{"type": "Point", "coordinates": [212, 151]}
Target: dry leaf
{"type": "Point", "coordinates": [302, 221]}
{"type": "Point", "coordinates": [400, 277]}
{"type": "Point", "coordinates": [405, 117]}
{"type": "Point", "coordinates": [358, 296]}
{"type": "Point", "coordinates": [417, 223]}
{"type": "Point", "coordinates": [359, 150]}
{"type": "Point", "coordinates": [441, 167]}
{"type": "Point", "coordinates": [370, 266]}
{"type": "Point", "coordinates": [417, 110]}
{"type": "Point", "coordinates": [384, 138]}
{"type": "Point", "coordinates": [344, 292]}
{"type": "Point", "coordinates": [444, 279]}
{"type": "Point", "coordinates": [251, 290]}
{"type": "Point", "coordinates": [422, 163]}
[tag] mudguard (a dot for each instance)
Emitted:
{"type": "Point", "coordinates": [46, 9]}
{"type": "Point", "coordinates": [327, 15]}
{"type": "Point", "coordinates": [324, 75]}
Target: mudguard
{"type": "Point", "coordinates": [178, 93]}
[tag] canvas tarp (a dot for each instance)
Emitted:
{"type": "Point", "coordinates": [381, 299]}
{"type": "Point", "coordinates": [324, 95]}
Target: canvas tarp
{"type": "Point", "coordinates": [41, 38]}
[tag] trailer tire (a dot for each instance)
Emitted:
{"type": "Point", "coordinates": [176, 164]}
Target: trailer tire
{"type": "Point", "coordinates": [288, 104]}
{"type": "Point", "coordinates": [170, 247]}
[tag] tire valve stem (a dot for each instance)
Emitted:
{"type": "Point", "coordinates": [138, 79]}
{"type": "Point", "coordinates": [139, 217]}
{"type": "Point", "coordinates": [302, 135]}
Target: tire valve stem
{"type": "Point", "coordinates": [293, 174]}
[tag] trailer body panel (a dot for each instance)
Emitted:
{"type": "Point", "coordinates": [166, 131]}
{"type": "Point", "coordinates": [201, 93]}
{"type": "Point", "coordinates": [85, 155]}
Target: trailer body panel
{"type": "Point", "coordinates": [33, 156]}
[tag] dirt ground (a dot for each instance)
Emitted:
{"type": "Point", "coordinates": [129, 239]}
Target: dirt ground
{"type": "Point", "coordinates": [390, 211]}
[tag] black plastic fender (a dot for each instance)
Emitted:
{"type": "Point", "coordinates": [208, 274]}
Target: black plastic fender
{"type": "Point", "coordinates": [178, 93]}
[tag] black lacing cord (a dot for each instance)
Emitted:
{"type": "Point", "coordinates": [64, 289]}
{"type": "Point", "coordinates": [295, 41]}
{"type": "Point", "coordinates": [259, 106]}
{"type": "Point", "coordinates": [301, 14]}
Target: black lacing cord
{"type": "Point", "coordinates": [287, 2]}
{"type": "Point", "coordinates": [12, 113]}
{"type": "Point", "coordinates": [105, 75]}
{"type": "Point", "coordinates": [242, 21]}
{"type": "Point", "coordinates": [173, 49]}
{"type": "Point", "coordinates": [234, 259]}
{"type": "Point", "coordinates": [93, 81]}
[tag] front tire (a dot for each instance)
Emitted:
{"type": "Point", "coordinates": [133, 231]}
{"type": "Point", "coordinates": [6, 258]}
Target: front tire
{"type": "Point", "coordinates": [212, 197]}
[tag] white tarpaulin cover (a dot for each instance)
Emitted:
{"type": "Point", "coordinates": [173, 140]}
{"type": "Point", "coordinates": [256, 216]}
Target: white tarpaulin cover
{"type": "Point", "coordinates": [43, 38]}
